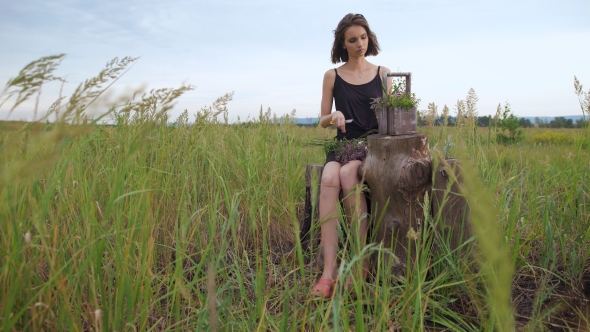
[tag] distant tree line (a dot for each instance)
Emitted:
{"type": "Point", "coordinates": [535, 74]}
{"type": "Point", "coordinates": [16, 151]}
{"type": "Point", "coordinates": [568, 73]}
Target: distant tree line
{"type": "Point", "coordinates": [561, 122]}
{"type": "Point", "coordinates": [488, 120]}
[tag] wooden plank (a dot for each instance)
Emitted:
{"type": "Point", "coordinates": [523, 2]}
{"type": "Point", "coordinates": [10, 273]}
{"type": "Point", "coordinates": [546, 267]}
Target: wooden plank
{"type": "Point", "coordinates": [309, 231]}
{"type": "Point", "coordinates": [398, 74]}
{"type": "Point", "coordinates": [383, 121]}
{"type": "Point", "coordinates": [402, 122]}
{"type": "Point", "coordinates": [408, 77]}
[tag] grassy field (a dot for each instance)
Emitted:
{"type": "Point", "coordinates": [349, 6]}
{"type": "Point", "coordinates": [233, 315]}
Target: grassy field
{"type": "Point", "coordinates": [143, 226]}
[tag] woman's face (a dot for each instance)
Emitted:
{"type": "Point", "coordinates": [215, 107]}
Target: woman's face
{"type": "Point", "coordinates": [356, 40]}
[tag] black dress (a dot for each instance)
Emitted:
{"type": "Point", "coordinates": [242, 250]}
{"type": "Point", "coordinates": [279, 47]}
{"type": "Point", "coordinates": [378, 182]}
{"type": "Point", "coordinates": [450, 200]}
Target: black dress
{"type": "Point", "coordinates": [354, 101]}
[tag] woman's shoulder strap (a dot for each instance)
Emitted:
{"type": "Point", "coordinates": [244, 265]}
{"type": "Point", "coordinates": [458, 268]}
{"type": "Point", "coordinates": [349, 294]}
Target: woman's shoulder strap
{"type": "Point", "coordinates": [336, 75]}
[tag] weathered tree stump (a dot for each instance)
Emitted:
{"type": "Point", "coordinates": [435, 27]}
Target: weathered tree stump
{"type": "Point", "coordinates": [449, 206]}
{"type": "Point", "coordinates": [310, 230]}
{"type": "Point", "coordinates": [398, 171]}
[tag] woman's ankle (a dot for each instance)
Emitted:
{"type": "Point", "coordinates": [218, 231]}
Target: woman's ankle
{"type": "Point", "coordinates": [328, 275]}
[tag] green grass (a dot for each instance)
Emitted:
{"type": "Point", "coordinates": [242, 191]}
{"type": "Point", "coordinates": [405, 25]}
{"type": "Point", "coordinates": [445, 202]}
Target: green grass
{"type": "Point", "coordinates": [143, 226]}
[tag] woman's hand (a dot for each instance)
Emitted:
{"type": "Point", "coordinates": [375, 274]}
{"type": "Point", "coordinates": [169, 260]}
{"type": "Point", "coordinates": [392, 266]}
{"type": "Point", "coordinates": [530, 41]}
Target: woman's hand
{"type": "Point", "coordinates": [339, 121]}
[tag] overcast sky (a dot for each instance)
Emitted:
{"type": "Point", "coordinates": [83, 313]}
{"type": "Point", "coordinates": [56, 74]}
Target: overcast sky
{"type": "Point", "coordinates": [274, 53]}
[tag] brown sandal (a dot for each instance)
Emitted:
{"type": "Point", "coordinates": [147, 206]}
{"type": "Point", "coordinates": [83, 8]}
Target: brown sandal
{"type": "Point", "coordinates": [323, 288]}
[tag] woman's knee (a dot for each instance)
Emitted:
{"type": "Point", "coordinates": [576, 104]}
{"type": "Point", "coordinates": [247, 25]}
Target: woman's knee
{"type": "Point", "coordinates": [330, 180]}
{"type": "Point", "coordinates": [348, 177]}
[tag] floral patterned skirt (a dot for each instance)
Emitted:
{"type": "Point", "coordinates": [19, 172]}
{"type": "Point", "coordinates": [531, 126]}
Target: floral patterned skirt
{"type": "Point", "coordinates": [347, 151]}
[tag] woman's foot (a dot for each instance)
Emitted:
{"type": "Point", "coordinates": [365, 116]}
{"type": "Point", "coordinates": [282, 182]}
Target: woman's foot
{"type": "Point", "coordinates": [323, 288]}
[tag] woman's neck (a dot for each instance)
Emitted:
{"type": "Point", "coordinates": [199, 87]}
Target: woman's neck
{"type": "Point", "coordinates": [356, 64]}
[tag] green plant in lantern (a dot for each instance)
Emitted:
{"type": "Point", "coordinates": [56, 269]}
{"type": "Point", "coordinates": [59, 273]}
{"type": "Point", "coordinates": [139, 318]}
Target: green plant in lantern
{"type": "Point", "coordinates": [396, 97]}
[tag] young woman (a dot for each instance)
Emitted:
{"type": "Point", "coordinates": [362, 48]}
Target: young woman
{"type": "Point", "coordinates": [352, 87]}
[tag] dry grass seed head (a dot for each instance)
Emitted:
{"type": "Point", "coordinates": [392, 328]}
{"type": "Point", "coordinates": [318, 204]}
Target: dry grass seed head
{"type": "Point", "coordinates": [30, 79]}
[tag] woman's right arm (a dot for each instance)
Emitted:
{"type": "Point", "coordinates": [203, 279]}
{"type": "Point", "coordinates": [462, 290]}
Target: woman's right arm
{"type": "Point", "coordinates": [326, 106]}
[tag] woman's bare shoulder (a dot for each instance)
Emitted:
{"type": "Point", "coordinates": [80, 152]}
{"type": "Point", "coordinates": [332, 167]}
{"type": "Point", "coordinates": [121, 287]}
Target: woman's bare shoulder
{"type": "Point", "coordinates": [330, 73]}
{"type": "Point", "coordinates": [385, 70]}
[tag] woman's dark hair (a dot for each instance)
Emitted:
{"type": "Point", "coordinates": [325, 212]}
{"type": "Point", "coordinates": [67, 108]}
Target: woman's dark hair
{"type": "Point", "coordinates": [339, 53]}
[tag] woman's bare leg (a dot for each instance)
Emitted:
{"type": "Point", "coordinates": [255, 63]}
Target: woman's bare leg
{"type": "Point", "coordinates": [329, 196]}
{"type": "Point", "coordinates": [355, 203]}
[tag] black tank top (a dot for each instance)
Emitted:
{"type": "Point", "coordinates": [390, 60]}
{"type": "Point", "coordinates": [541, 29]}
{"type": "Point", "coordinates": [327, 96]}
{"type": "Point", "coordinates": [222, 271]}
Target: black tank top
{"type": "Point", "coordinates": [354, 101]}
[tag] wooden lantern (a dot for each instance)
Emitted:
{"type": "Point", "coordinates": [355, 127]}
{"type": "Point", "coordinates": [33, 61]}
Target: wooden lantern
{"type": "Point", "coordinates": [398, 121]}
